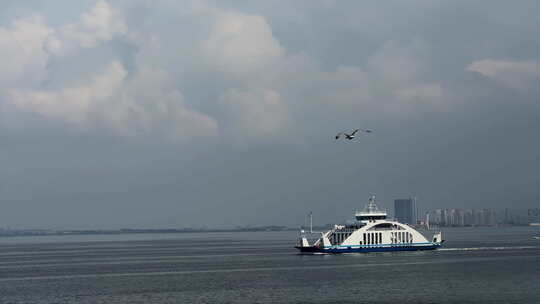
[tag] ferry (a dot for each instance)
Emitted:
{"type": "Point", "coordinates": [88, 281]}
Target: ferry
{"type": "Point", "coordinates": [372, 232]}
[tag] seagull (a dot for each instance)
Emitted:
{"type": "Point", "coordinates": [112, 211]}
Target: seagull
{"type": "Point", "coordinates": [353, 134]}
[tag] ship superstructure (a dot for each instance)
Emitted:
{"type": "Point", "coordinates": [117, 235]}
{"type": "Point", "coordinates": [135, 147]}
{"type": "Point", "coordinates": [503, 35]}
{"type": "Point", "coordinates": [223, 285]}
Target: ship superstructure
{"type": "Point", "coordinates": [371, 232]}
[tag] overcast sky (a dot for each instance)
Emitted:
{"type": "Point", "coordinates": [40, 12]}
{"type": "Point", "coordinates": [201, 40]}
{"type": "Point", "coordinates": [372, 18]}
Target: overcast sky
{"type": "Point", "coordinates": [137, 113]}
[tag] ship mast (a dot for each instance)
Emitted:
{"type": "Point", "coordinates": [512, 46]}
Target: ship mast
{"type": "Point", "coordinates": [311, 222]}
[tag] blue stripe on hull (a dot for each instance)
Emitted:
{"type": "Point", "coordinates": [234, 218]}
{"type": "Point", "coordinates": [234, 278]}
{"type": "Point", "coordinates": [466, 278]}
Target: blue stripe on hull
{"type": "Point", "coordinates": [367, 249]}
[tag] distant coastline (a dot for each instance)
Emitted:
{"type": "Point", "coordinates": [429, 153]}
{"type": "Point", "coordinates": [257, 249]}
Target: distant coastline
{"type": "Point", "coordinates": [51, 232]}
{"type": "Point", "coordinates": [45, 232]}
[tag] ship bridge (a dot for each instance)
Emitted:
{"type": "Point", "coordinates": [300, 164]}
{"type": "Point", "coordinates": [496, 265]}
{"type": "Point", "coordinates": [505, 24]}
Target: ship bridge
{"type": "Point", "coordinates": [371, 212]}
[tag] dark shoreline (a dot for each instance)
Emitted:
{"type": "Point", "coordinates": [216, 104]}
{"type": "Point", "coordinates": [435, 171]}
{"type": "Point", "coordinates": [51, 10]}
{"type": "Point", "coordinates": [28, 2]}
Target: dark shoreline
{"type": "Point", "coordinates": [44, 232]}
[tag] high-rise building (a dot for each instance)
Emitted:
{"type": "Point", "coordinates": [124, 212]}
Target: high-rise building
{"type": "Point", "coordinates": [521, 216]}
{"type": "Point", "coordinates": [405, 210]}
{"type": "Point", "coordinates": [463, 217]}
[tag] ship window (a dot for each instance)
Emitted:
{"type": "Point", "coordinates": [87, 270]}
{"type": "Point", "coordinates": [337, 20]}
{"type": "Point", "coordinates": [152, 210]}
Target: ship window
{"type": "Point", "coordinates": [380, 237]}
{"type": "Point", "coordinates": [365, 238]}
{"type": "Point", "coordinates": [369, 238]}
{"type": "Point", "coordinates": [383, 226]}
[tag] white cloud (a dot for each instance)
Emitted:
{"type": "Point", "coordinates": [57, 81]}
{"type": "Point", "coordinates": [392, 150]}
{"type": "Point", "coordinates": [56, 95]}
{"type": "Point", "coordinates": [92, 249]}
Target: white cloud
{"type": "Point", "coordinates": [26, 45]}
{"type": "Point", "coordinates": [253, 113]}
{"type": "Point", "coordinates": [102, 23]}
{"type": "Point", "coordinates": [114, 101]}
{"type": "Point", "coordinates": [398, 64]}
{"type": "Point", "coordinates": [72, 104]}
{"type": "Point", "coordinates": [421, 91]}
{"type": "Point", "coordinates": [144, 102]}
{"type": "Point", "coordinates": [393, 79]}
{"type": "Point", "coordinates": [517, 74]}
{"type": "Point", "coordinates": [230, 52]}
{"type": "Point", "coordinates": [242, 43]}
{"type": "Point", "coordinates": [21, 52]}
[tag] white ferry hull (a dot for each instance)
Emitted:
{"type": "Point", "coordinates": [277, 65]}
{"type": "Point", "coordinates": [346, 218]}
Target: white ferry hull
{"type": "Point", "coordinates": [368, 248]}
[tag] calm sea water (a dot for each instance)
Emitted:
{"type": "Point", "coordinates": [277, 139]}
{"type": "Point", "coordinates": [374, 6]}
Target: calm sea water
{"type": "Point", "coordinates": [477, 265]}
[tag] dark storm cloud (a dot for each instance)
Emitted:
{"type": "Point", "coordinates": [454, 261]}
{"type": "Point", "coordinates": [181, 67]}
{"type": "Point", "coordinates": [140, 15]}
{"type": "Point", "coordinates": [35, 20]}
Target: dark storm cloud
{"type": "Point", "coordinates": [136, 113]}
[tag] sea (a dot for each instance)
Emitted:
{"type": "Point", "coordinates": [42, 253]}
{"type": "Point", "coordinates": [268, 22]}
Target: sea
{"type": "Point", "coordinates": [475, 265]}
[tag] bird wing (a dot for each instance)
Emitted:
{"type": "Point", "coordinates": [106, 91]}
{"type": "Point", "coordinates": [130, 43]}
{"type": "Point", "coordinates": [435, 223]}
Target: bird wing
{"type": "Point", "coordinates": [354, 132]}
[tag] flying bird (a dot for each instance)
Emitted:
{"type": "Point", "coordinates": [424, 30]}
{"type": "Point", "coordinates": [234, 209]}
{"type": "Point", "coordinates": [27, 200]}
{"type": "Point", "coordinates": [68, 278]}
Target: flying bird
{"type": "Point", "coordinates": [352, 135]}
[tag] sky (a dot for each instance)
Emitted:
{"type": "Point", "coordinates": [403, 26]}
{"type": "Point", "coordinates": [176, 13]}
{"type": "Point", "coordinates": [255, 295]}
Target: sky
{"type": "Point", "coordinates": [174, 114]}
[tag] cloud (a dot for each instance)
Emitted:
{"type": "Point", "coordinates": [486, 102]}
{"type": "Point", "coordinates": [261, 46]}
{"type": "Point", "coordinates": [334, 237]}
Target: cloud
{"type": "Point", "coordinates": [21, 54]}
{"type": "Point", "coordinates": [421, 91]}
{"type": "Point", "coordinates": [253, 113]}
{"type": "Point", "coordinates": [242, 43]}
{"type": "Point", "coordinates": [256, 83]}
{"type": "Point", "coordinates": [114, 101]}
{"type": "Point", "coordinates": [143, 101]}
{"type": "Point", "coordinates": [516, 74]}
{"type": "Point", "coordinates": [102, 23]}
{"type": "Point", "coordinates": [392, 79]}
